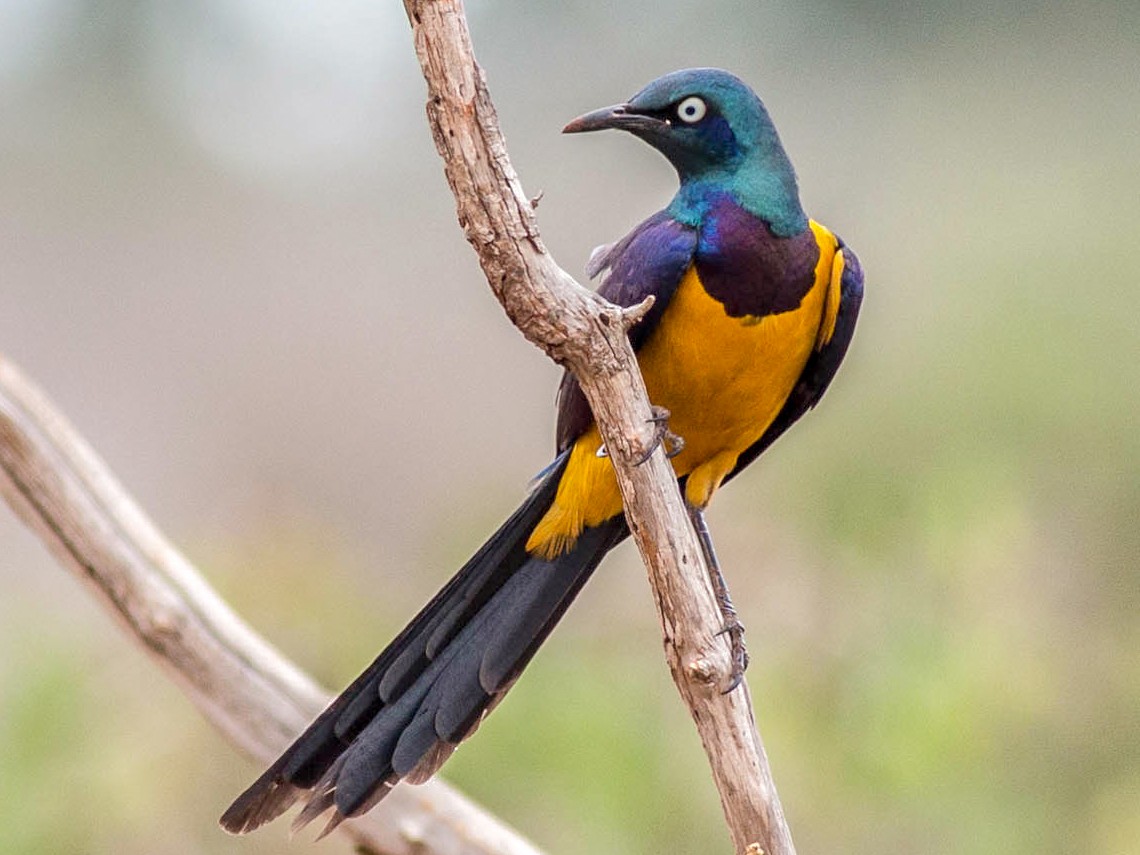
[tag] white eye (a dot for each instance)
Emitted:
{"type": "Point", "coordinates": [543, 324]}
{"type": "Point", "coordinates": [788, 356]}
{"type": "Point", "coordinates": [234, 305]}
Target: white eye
{"type": "Point", "coordinates": [691, 110]}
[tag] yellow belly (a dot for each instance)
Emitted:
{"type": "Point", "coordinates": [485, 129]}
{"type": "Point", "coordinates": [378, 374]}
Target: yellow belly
{"type": "Point", "coordinates": [723, 381]}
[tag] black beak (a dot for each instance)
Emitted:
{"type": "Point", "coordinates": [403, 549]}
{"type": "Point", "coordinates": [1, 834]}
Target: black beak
{"type": "Point", "coordinates": [619, 116]}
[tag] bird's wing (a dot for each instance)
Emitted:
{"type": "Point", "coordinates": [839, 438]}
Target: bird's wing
{"type": "Point", "coordinates": [650, 260]}
{"type": "Point", "coordinates": [847, 288]}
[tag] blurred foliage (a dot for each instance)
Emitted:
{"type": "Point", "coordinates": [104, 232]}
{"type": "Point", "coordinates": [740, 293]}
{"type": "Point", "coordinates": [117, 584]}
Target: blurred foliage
{"type": "Point", "coordinates": [938, 571]}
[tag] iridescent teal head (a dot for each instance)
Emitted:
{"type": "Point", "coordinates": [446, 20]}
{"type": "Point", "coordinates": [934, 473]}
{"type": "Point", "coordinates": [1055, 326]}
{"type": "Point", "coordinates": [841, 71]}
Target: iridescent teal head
{"type": "Point", "coordinates": [719, 138]}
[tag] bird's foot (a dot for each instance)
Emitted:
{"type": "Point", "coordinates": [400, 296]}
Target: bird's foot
{"type": "Point", "coordinates": [734, 629]}
{"type": "Point", "coordinates": [662, 436]}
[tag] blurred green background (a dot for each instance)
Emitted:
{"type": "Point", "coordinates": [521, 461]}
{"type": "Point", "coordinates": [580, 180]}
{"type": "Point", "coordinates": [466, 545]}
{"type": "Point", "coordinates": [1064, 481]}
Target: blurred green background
{"type": "Point", "coordinates": [228, 252]}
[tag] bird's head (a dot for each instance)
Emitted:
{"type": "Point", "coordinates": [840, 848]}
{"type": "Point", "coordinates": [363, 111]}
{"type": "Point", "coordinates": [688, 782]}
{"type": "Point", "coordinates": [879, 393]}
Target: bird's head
{"type": "Point", "coordinates": [719, 137]}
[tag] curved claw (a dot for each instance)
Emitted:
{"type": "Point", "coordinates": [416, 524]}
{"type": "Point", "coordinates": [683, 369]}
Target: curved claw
{"type": "Point", "coordinates": [661, 436]}
{"type": "Point", "coordinates": [734, 629]}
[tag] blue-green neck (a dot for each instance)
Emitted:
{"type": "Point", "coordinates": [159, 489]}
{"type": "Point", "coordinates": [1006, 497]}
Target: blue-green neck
{"type": "Point", "coordinates": [769, 193]}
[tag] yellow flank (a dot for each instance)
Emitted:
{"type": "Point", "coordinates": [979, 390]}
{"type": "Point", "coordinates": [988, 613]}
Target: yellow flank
{"type": "Point", "coordinates": [831, 306]}
{"type": "Point", "coordinates": [723, 380]}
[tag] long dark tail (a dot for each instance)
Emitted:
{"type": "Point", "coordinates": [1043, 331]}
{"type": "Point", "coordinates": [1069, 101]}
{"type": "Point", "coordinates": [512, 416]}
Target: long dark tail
{"type": "Point", "coordinates": [430, 688]}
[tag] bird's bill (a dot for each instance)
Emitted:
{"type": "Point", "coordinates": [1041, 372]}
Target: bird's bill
{"type": "Point", "coordinates": [619, 116]}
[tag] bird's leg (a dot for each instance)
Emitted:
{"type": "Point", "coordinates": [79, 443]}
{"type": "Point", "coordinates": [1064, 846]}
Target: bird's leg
{"type": "Point", "coordinates": [733, 628]}
{"type": "Point", "coordinates": [661, 435]}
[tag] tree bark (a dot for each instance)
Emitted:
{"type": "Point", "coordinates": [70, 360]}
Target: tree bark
{"type": "Point", "coordinates": [578, 329]}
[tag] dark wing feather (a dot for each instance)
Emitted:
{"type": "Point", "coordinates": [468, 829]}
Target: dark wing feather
{"type": "Point", "coordinates": [651, 259]}
{"type": "Point", "coordinates": [822, 365]}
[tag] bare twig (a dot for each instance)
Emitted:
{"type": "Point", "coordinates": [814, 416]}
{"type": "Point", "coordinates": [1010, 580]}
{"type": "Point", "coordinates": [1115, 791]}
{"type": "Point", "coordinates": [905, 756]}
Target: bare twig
{"type": "Point", "coordinates": [578, 329]}
{"type": "Point", "coordinates": [259, 700]}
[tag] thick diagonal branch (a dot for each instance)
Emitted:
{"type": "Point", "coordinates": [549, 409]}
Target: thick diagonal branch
{"type": "Point", "coordinates": [58, 486]}
{"type": "Point", "coordinates": [581, 331]}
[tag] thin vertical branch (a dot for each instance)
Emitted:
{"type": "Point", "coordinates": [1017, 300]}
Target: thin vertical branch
{"type": "Point", "coordinates": [578, 329]}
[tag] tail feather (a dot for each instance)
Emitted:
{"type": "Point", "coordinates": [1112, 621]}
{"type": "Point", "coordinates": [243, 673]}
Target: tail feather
{"type": "Point", "coordinates": [544, 590]}
{"type": "Point", "coordinates": [431, 687]}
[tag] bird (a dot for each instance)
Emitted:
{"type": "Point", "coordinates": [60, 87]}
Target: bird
{"type": "Point", "coordinates": [754, 308]}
